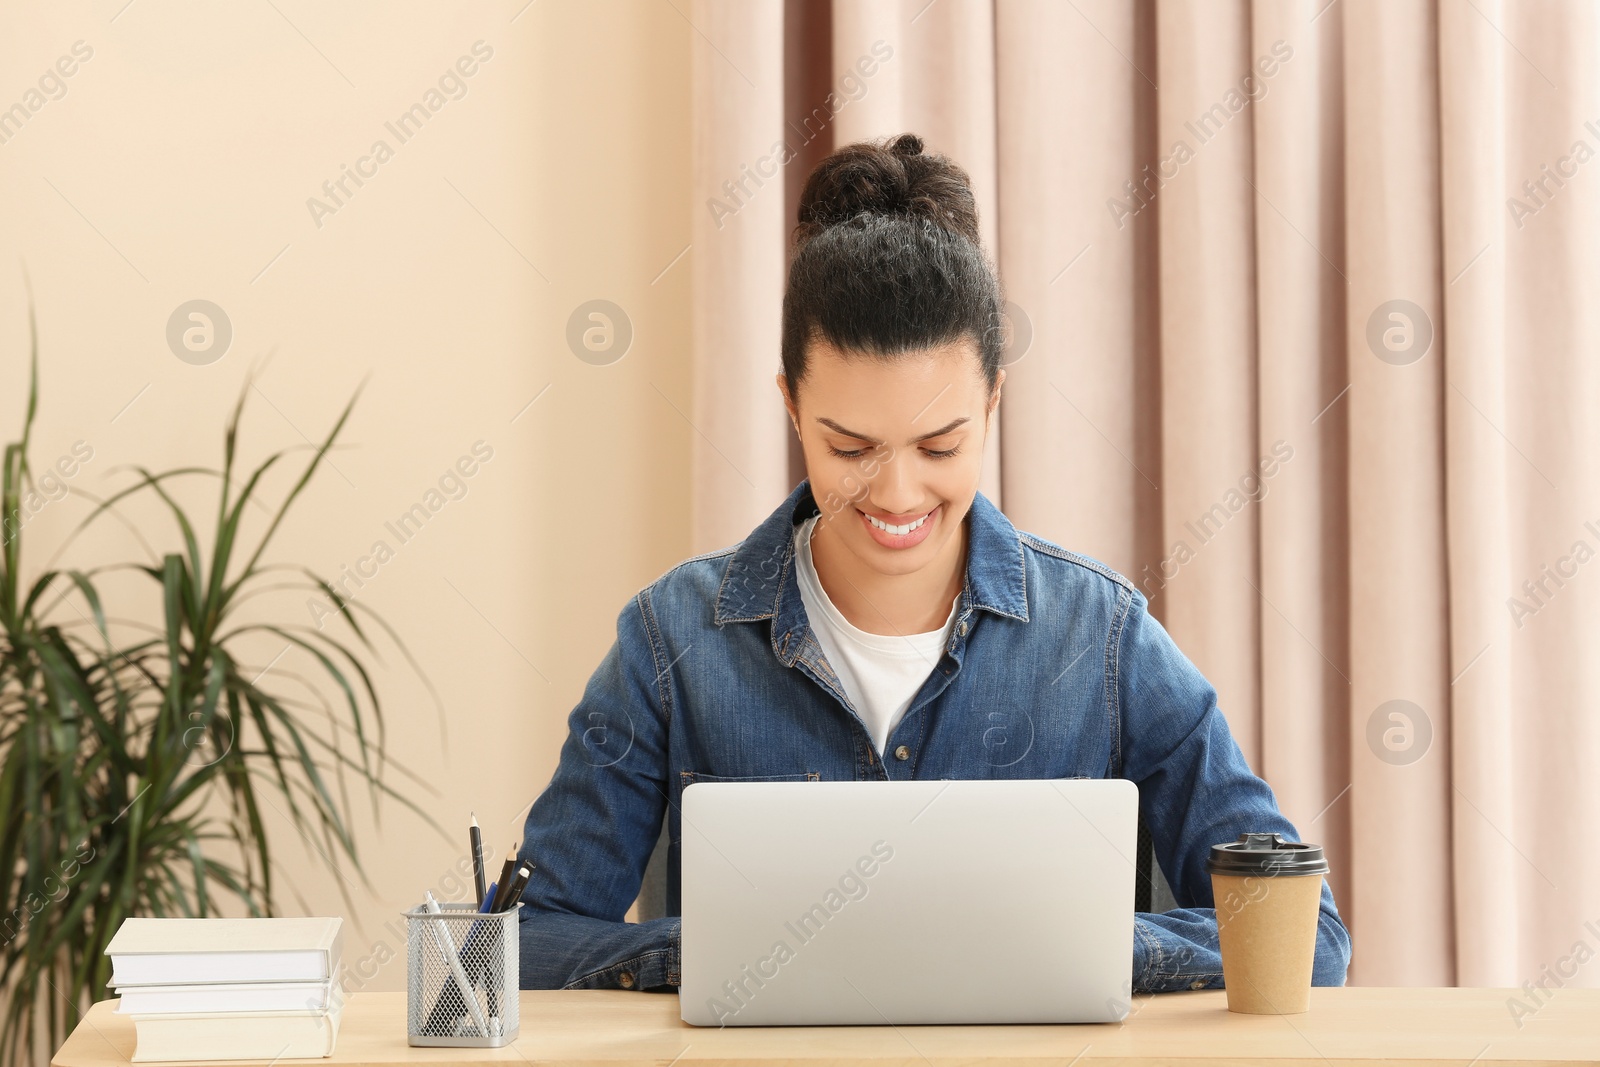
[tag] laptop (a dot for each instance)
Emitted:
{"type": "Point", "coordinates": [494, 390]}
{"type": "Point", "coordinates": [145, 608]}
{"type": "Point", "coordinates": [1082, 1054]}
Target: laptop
{"type": "Point", "coordinates": [937, 902]}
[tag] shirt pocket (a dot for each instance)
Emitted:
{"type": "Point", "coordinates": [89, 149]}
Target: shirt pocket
{"type": "Point", "coordinates": [687, 778]}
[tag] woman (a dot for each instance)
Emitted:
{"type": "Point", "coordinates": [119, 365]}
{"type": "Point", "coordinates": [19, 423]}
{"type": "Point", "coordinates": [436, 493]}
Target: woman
{"type": "Point", "coordinates": [886, 621]}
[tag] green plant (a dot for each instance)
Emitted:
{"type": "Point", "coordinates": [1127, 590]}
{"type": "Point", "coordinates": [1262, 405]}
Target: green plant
{"type": "Point", "coordinates": [134, 774]}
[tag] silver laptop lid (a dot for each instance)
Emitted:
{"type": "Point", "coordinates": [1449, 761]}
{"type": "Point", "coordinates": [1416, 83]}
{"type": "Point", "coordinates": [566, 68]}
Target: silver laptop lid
{"type": "Point", "coordinates": [843, 903]}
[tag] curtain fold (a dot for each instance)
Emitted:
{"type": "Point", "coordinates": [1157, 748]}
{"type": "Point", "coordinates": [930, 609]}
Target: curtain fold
{"type": "Point", "coordinates": [1303, 345]}
{"type": "Point", "coordinates": [1520, 131]}
{"type": "Point", "coordinates": [1473, 86]}
{"type": "Point", "coordinates": [1303, 513]}
{"type": "Point", "coordinates": [737, 425]}
{"type": "Point", "coordinates": [1399, 722]}
{"type": "Point", "coordinates": [1082, 399]}
{"type": "Point", "coordinates": [1208, 350]}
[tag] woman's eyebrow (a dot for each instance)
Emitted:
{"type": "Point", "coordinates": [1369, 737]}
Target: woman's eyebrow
{"type": "Point", "coordinates": [941, 431]}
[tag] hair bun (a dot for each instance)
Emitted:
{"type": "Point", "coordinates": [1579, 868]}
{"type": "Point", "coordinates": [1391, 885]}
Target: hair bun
{"type": "Point", "coordinates": [887, 177]}
{"type": "Point", "coordinates": [907, 144]}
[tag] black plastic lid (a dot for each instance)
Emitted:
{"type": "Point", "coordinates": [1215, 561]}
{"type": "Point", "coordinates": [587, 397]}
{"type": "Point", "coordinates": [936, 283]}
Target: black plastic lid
{"type": "Point", "coordinates": [1266, 854]}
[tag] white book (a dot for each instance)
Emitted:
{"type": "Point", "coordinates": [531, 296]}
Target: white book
{"type": "Point", "coordinates": [224, 996]}
{"type": "Point", "coordinates": [275, 1035]}
{"type": "Point", "coordinates": [147, 951]}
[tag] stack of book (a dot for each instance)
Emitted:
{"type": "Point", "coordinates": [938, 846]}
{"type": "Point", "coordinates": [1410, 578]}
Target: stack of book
{"type": "Point", "coordinates": [229, 989]}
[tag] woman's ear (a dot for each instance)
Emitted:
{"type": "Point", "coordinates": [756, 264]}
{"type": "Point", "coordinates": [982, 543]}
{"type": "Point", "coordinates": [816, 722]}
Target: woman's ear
{"type": "Point", "coordinates": [788, 402]}
{"type": "Point", "coordinates": [994, 399]}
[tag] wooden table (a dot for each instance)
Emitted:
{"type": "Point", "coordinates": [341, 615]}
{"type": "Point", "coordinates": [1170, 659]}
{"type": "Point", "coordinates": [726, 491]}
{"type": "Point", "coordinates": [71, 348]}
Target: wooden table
{"type": "Point", "coordinates": [1346, 1025]}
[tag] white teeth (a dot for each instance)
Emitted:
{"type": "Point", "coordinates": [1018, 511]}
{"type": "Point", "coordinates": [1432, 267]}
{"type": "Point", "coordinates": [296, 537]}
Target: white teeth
{"type": "Point", "coordinates": [896, 530]}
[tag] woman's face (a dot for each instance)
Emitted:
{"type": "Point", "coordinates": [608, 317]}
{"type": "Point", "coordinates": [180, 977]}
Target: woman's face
{"type": "Point", "coordinates": [893, 447]}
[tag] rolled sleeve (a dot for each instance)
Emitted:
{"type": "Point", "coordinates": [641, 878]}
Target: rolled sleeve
{"type": "Point", "coordinates": [1195, 790]}
{"type": "Point", "coordinates": [590, 833]}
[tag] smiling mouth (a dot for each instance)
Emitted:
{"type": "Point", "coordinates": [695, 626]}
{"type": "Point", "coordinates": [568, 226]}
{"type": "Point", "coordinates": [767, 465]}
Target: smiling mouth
{"type": "Point", "coordinates": [897, 531]}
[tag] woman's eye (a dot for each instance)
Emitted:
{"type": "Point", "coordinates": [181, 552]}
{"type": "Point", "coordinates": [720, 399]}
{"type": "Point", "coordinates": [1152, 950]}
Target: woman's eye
{"type": "Point", "coordinates": [857, 453]}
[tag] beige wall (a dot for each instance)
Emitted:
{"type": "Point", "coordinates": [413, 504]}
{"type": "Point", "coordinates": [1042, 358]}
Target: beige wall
{"type": "Point", "coordinates": [178, 164]}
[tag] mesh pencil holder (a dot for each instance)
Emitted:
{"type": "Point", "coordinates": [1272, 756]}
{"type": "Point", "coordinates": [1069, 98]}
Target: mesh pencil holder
{"type": "Point", "coordinates": [461, 977]}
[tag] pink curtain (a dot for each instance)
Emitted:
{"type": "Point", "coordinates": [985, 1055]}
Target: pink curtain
{"type": "Point", "coordinates": [1301, 345]}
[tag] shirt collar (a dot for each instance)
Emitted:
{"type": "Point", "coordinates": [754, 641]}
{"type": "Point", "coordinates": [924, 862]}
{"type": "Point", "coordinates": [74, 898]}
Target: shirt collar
{"type": "Point", "coordinates": [759, 581]}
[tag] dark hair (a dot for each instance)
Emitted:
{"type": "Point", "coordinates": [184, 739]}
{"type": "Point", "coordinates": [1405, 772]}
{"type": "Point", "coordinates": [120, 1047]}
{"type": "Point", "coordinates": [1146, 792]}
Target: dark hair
{"type": "Point", "coordinates": [887, 258]}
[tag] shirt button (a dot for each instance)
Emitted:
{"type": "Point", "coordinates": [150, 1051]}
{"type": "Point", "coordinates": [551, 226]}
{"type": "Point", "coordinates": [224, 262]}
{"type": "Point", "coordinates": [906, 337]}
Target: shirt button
{"type": "Point", "coordinates": [1197, 984]}
{"type": "Point", "coordinates": [961, 629]}
{"type": "Point", "coordinates": [626, 979]}
{"type": "Point", "coordinates": [902, 753]}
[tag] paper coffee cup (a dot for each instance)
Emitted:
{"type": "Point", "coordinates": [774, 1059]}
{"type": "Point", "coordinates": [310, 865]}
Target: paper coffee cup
{"type": "Point", "coordinates": [1268, 895]}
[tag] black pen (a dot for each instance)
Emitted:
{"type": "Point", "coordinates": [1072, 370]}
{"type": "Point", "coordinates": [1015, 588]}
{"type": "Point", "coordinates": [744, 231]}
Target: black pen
{"type": "Point", "coordinates": [507, 872]}
{"type": "Point", "coordinates": [504, 901]}
{"type": "Point", "coordinates": [518, 884]}
{"type": "Point", "coordinates": [475, 836]}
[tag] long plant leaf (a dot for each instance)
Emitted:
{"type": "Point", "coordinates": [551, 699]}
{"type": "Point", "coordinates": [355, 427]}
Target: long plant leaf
{"type": "Point", "coordinates": [138, 764]}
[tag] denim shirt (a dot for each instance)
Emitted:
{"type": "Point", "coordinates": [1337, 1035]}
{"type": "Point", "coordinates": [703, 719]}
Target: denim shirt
{"type": "Point", "coordinates": [1054, 669]}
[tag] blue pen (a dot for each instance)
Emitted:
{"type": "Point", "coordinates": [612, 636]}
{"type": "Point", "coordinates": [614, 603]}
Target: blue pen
{"type": "Point", "coordinates": [486, 908]}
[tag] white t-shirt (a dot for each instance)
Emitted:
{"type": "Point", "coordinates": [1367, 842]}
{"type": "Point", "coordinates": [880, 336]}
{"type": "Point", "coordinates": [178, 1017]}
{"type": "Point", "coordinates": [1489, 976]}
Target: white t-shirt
{"type": "Point", "coordinates": [879, 673]}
